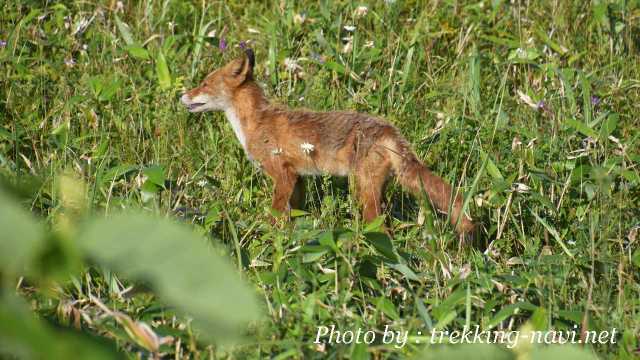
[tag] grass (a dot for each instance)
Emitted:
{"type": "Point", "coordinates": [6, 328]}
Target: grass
{"type": "Point", "coordinates": [529, 107]}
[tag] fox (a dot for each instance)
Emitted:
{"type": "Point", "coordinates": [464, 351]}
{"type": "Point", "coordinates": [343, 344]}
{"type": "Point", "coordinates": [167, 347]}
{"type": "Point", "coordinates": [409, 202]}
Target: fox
{"type": "Point", "coordinates": [287, 144]}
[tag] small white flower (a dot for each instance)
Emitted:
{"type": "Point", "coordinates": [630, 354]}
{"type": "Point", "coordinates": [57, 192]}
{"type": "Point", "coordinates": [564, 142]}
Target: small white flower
{"type": "Point", "coordinates": [85, 47]}
{"type": "Point", "coordinates": [81, 25]}
{"type": "Point", "coordinates": [368, 44]}
{"type": "Point", "coordinates": [299, 18]}
{"type": "Point", "coordinates": [211, 34]}
{"type": "Point", "coordinates": [362, 11]}
{"type": "Point", "coordinates": [307, 148]}
{"type": "Point", "coordinates": [527, 100]}
{"type": "Point", "coordinates": [521, 188]}
{"type": "Point", "coordinates": [465, 271]}
{"type": "Point", "coordinates": [291, 64]}
{"type": "Point", "coordinates": [69, 62]}
{"type": "Point", "coordinates": [202, 183]}
{"type": "Point", "coordinates": [350, 28]}
{"type": "Point", "coordinates": [276, 151]}
{"type": "Point", "coordinates": [439, 126]}
{"type": "Point", "coordinates": [516, 143]}
{"type": "Point", "coordinates": [348, 46]}
{"type": "Point", "coordinates": [532, 143]}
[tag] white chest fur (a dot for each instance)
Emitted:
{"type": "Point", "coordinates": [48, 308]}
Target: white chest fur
{"type": "Point", "coordinates": [237, 127]}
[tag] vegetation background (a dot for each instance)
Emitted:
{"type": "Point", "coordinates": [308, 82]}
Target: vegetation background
{"type": "Point", "coordinates": [531, 107]}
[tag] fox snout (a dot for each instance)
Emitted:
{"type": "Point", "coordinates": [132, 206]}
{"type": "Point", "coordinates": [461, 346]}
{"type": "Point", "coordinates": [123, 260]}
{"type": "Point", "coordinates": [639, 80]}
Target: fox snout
{"type": "Point", "coordinates": [189, 103]}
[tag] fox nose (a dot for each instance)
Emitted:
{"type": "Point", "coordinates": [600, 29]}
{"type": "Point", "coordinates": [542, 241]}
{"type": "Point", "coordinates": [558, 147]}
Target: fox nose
{"type": "Point", "coordinates": [185, 99]}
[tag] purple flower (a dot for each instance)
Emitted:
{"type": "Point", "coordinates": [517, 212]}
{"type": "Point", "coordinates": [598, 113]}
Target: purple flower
{"type": "Point", "coordinates": [3, 43]}
{"type": "Point", "coordinates": [541, 105]}
{"type": "Point", "coordinates": [223, 44]}
{"type": "Point", "coordinates": [243, 45]}
{"type": "Point", "coordinates": [595, 100]}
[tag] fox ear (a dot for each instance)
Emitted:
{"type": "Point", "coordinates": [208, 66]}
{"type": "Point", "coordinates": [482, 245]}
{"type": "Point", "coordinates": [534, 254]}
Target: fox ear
{"type": "Point", "coordinates": [242, 69]}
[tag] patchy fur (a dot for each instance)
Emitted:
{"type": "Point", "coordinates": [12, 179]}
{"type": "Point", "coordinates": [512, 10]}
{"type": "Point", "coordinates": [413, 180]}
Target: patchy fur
{"type": "Point", "coordinates": [288, 143]}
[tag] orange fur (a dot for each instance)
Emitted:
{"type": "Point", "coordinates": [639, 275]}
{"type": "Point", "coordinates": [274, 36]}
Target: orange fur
{"type": "Point", "coordinates": [290, 143]}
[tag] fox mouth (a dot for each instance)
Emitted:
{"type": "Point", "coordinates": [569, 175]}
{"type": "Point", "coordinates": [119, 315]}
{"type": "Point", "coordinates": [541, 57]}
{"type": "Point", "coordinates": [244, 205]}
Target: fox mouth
{"type": "Point", "coordinates": [193, 106]}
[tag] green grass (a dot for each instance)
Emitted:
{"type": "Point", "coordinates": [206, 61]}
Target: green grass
{"type": "Point", "coordinates": [555, 184]}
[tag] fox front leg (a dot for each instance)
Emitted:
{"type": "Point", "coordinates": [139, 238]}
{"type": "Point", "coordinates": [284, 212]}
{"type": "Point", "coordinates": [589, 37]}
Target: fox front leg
{"type": "Point", "coordinates": [284, 184]}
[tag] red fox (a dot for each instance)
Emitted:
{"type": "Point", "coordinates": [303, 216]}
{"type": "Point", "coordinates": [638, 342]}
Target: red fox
{"type": "Point", "coordinates": [289, 143]}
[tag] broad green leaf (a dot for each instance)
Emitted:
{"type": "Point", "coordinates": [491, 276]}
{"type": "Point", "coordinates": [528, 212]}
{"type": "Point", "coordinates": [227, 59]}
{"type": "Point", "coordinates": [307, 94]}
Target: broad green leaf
{"type": "Point", "coordinates": [375, 225]}
{"type": "Point", "coordinates": [179, 266]}
{"type": "Point", "coordinates": [424, 313]}
{"type": "Point", "coordinates": [162, 71]}
{"type": "Point", "coordinates": [298, 213]}
{"type": "Point", "coordinates": [26, 337]}
{"type": "Point", "coordinates": [386, 306]}
{"type": "Point", "coordinates": [609, 125]}
{"type": "Point", "coordinates": [21, 236]}
{"type": "Point", "coordinates": [360, 352]}
{"type": "Point", "coordinates": [636, 258]}
{"type": "Point", "coordinates": [508, 311]}
{"type": "Point", "coordinates": [155, 174]}
{"type": "Point", "coordinates": [148, 190]}
{"type": "Point", "coordinates": [502, 315]}
{"type": "Point", "coordinates": [328, 239]}
{"type": "Point", "coordinates": [382, 244]}
{"type": "Point", "coordinates": [123, 28]}
{"type": "Point", "coordinates": [564, 76]}
{"type": "Point", "coordinates": [110, 87]}
{"type": "Point", "coordinates": [491, 167]}
{"type": "Point", "coordinates": [332, 65]}
{"type": "Point", "coordinates": [446, 320]}
{"type": "Point", "coordinates": [540, 319]}
{"type": "Point", "coordinates": [313, 256]}
{"type": "Point", "coordinates": [405, 270]}
{"type": "Point", "coordinates": [116, 172]}
{"type": "Point", "coordinates": [138, 52]}
{"type": "Point", "coordinates": [581, 127]}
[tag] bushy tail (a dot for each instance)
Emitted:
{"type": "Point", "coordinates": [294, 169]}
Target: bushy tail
{"type": "Point", "coordinates": [417, 178]}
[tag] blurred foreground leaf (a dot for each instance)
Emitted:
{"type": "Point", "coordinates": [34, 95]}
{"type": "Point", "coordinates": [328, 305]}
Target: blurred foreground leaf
{"type": "Point", "coordinates": [20, 238]}
{"type": "Point", "coordinates": [26, 337]}
{"type": "Point", "coordinates": [465, 352]}
{"type": "Point", "coordinates": [180, 267]}
{"type": "Point", "coordinates": [495, 352]}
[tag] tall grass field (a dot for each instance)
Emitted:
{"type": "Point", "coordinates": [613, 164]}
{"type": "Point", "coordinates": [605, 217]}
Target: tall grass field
{"type": "Point", "coordinates": [131, 228]}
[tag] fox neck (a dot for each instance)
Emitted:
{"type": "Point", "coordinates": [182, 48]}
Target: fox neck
{"type": "Point", "coordinates": [246, 105]}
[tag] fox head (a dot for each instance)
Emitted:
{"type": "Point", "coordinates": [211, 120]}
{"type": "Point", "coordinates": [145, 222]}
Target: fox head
{"type": "Point", "coordinates": [216, 90]}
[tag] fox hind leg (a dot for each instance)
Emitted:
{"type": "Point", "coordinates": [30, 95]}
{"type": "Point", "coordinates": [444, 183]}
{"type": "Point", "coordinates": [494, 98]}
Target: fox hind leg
{"type": "Point", "coordinates": [298, 196]}
{"type": "Point", "coordinates": [370, 177]}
